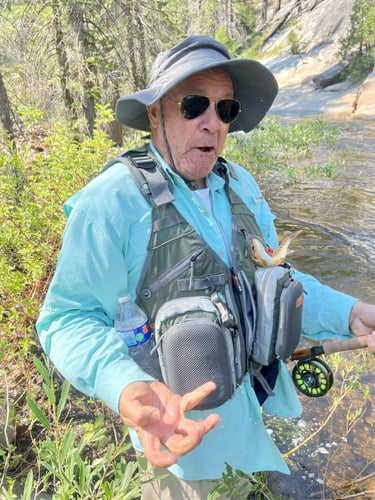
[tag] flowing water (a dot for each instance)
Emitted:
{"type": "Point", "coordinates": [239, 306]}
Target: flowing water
{"type": "Point", "coordinates": [337, 246]}
{"type": "Point", "coordinates": [338, 216]}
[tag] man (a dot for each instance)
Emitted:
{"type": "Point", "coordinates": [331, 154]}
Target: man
{"type": "Point", "coordinates": [196, 96]}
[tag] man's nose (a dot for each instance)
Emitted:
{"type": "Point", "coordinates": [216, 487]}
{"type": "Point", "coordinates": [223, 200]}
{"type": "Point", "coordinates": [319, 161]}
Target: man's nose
{"type": "Point", "coordinates": [210, 119]}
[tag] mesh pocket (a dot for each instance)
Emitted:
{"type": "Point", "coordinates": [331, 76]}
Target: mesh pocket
{"type": "Point", "coordinates": [194, 348]}
{"type": "Point", "coordinates": [195, 352]}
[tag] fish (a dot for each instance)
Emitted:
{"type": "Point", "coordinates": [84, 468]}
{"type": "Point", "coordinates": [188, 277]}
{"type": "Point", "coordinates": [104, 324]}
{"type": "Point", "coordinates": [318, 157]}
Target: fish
{"type": "Point", "coordinates": [265, 257]}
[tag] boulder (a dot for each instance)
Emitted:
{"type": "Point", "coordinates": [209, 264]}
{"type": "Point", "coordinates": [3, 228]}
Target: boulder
{"type": "Point", "coordinates": [366, 97]}
{"type": "Point", "coordinates": [331, 76]}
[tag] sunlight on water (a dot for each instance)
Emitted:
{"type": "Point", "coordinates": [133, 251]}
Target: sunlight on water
{"type": "Point", "coordinates": [338, 217]}
{"type": "Point", "coordinates": [338, 247]}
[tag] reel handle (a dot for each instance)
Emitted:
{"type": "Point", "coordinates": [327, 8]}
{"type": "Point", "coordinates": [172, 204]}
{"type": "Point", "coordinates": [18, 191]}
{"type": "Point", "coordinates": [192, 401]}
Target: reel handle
{"type": "Point", "coordinates": [329, 347]}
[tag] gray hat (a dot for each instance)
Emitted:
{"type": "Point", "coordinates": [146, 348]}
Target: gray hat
{"type": "Point", "coordinates": [254, 85]}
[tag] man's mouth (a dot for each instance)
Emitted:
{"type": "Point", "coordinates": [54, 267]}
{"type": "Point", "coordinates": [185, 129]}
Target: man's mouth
{"type": "Point", "coordinates": [206, 149]}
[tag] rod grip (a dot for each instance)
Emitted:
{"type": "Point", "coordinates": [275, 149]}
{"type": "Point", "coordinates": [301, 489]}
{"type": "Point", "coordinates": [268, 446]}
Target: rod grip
{"type": "Point", "coordinates": [344, 345]}
{"type": "Point", "coordinates": [329, 347]}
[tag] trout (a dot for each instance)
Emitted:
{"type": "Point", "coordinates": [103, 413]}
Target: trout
{"type": "Point", "coordinates": [265, 257]}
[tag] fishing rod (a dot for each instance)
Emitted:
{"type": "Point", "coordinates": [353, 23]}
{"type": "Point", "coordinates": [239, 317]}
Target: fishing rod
{"type": "Point", "coordinates": [312, 376]}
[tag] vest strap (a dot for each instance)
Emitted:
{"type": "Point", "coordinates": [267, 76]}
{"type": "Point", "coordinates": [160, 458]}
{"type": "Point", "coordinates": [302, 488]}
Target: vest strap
{"type": "Point", "coordinates": [154, 183]}
{"type": "Point", "coordinates": [167, 222]}
{"type": "Point", "coordinates": [149, 177]}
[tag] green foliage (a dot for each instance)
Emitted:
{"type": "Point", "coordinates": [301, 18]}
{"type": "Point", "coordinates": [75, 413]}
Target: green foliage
{"type": "Point", "coordinates": [359, 67]}
{"type": "Point", "coordinates": [222, 36]}
{"type": "Point", "coordinates": [358, 47]}
{"type": "Point", "coordinates": [33, 188]}
{"type": "Point", "coordinates": [84, 465]}
{"type": "Point", "coordinates": [237, 485]}
{"type": "Point", "coordinates": [293, 42]}
{"type": "Point", "coordinates": [361, 35]}
{"type": "Point", "coordinates": [285, 151]}
{"type": "Point", "coordinates": [30, 115]}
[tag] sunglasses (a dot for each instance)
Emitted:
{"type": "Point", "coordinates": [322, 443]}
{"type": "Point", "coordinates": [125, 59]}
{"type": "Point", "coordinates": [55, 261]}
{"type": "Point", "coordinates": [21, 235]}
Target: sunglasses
{"type": "Point", "coordinates": [193, 106]}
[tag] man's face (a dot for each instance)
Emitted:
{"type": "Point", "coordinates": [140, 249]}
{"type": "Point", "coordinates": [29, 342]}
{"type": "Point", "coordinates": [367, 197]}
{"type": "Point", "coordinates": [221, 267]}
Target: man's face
{"type": "Point", "coordinates": [195, 144]}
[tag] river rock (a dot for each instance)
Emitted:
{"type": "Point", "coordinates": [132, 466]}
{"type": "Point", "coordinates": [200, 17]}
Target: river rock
{"type": "Point", "coordinates": [309, 82]}
{"type": "Point", "coordinates": [366, 97]}
{"type": "Point", "coordinates": [331, 76]}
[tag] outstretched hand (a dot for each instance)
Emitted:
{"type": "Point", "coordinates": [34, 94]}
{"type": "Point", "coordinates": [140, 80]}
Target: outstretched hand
{"type": "Point", "coordinates": [362, 323]}
{"type": "Point", "coordinates": [157, 415]}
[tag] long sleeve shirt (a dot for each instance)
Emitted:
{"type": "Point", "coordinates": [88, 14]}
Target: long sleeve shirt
{"type": "Point", "coordinates": [102, 256]}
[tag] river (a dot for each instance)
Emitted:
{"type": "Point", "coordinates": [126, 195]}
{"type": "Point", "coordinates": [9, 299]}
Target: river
{"type": "Point", "coordinates": [337, 215]}
{"type": "Point", "coordinates": [337, 246]}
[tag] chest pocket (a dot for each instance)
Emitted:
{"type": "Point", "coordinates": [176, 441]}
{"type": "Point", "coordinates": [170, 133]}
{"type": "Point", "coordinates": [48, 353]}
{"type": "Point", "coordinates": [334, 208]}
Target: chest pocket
{"type": "Point", "coordinates": [194, 347]}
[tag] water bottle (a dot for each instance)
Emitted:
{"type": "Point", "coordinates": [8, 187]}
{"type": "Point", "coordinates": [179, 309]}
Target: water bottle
{"type": "Point", "coordinates": [132, 324]}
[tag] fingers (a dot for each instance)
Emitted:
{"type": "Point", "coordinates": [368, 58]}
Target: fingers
{"type": "Point", "coordinates": [189, 434]}
{"type": "Point", "coordinates": [153, 449]}
{"type": "Point", "coordinates": [367, 340]}
{"type": "Point", "coordinates": [193, 398]}
{"type": "Point", "coordinates": [164, 431]}
{"type": "Point", "coordinates": [211, 421]}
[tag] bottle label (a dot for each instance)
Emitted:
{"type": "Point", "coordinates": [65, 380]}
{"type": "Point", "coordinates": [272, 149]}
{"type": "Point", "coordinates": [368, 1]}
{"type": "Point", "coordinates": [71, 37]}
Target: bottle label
{"type": "Point", "coordinates": [136, 336]}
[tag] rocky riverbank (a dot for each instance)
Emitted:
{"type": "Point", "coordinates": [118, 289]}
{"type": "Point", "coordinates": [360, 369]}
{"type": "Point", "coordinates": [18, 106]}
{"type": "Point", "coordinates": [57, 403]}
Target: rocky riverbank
{"type": "Point", "coordinates": [307, 79]}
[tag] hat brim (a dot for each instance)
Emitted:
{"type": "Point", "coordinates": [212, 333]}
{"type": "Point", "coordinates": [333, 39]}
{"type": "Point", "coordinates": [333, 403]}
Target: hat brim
{"type": "Point", "coordinates": [254, 86]}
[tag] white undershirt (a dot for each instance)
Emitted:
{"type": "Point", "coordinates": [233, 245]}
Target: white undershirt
{"type": "Point", "coordinates": [204, 198]}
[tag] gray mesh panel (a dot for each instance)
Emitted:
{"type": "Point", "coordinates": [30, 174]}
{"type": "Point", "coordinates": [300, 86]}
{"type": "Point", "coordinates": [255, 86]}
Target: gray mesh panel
{"type": "Point", "coordinates": [195, 352]}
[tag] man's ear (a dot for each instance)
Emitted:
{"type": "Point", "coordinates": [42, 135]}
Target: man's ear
{"type": "Point", "coordinates": [153, 115]}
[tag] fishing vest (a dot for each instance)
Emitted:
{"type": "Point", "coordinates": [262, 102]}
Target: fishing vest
{"type": "Point", "coordinates": [202, 313]}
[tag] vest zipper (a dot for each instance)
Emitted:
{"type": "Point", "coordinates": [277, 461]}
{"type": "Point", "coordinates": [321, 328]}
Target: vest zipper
{"type": "Point", "coordinates": [175, 271]}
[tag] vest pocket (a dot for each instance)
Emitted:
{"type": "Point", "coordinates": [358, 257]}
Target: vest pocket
{"type": "Point", "coordinates": [279, 304]}
{"type": "Point", "coordinates": [195, 347]}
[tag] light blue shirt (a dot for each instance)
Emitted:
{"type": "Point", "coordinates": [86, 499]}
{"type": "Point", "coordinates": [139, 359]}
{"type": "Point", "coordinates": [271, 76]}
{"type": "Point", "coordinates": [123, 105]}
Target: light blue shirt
{"type": "Point", "coordinates": [103, 252]}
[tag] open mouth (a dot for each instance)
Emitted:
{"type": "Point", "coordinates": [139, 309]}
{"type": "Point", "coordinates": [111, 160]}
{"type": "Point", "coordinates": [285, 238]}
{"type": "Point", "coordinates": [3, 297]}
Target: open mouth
{"type": "Point", "coordinates": [206, 149]}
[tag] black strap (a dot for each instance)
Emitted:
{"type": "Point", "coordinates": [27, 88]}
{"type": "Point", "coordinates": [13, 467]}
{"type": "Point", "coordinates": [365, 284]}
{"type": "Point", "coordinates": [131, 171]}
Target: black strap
{"type": "Point", "coordinates": [148, 175]}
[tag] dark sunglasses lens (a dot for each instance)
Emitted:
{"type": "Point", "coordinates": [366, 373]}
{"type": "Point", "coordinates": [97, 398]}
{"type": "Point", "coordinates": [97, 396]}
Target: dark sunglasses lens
{"type": "Point", "coordinates": [228, 110]}
{"type": "Point", "coordinates": [193, 106]}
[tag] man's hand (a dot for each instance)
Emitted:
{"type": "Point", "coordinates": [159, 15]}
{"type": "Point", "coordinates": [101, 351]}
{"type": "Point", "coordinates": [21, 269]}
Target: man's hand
{"type": "Point", "coordinates": [362, 323]}
{"type": "Point", "coordinates": [157, 415]}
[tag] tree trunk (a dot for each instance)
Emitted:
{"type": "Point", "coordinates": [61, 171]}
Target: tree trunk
{"type": "Point", "coordinates": [5, 113]}
{"type": "Point", "coordinates": [89, 70]}
{"type": "Point", "coordinates": [264, 10]}
{"type": "Point", "coordinates": [136, 44]}
{"type": "Point", "coordinates": [62, 59]}
{"type": "Point", "coordinates": [228, 17]}
{"type": "Point", "coordinates": [276, 6]}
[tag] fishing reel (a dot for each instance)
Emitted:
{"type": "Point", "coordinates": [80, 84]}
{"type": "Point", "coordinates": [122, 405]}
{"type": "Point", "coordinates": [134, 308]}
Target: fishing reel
{"type": "Point", "coordinates": [313, 377]}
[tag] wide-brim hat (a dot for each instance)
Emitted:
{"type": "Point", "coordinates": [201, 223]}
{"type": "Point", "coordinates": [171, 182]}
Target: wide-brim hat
{"type": "Point", "coordinates": [253, 84]}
